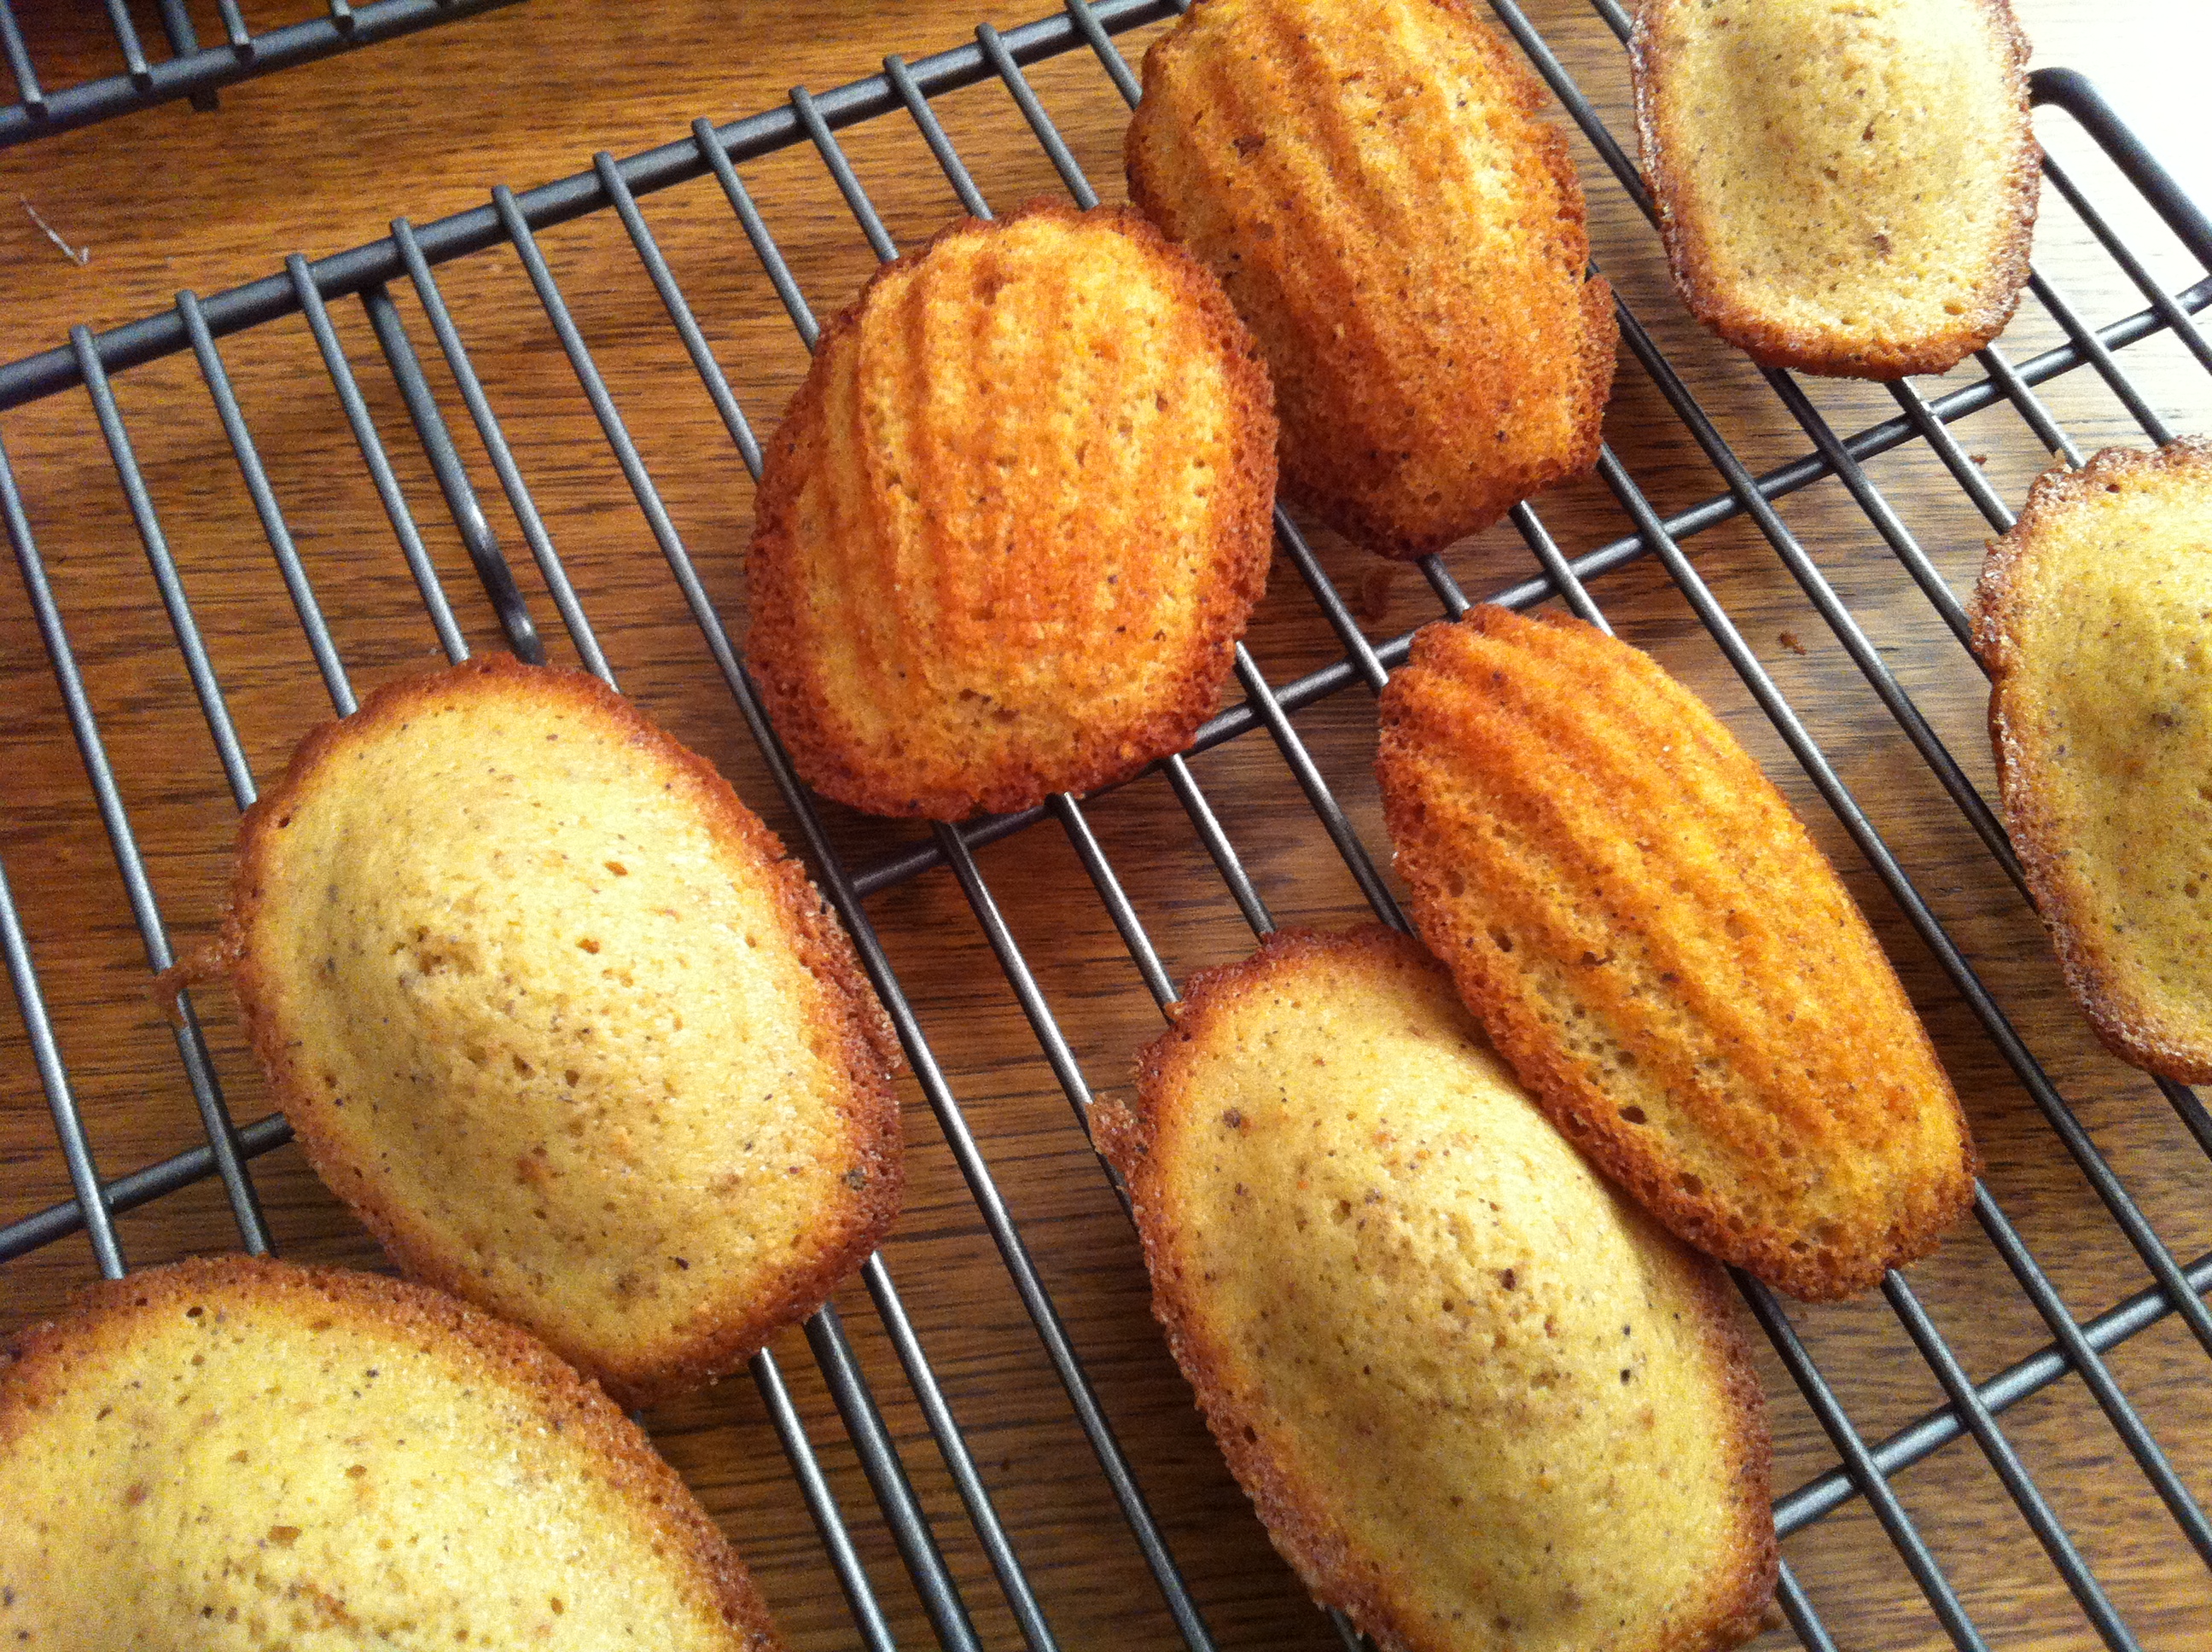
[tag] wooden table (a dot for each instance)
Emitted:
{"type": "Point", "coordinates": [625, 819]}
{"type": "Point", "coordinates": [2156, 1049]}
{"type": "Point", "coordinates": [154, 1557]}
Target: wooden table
{"type": "Point", "coordinates": [321, 158]}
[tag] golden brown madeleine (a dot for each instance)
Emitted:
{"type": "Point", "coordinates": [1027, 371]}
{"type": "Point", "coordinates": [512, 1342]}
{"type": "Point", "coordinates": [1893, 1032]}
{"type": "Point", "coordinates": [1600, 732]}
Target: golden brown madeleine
{"type": "Point", "coordinates": [2092, 624]}
{"type": "Point", "coordinates": [1480, 1400]}
{"type": "Point", "coordinates": [1015, 519]}
{"type": "Point", "coordinates": [1668, 962]}
{"type": "Point", "coordinates": [1406, 237]}
{"type": "Point", "coordinates": [1847, 190]}
{"type": "Point", "coordinates": [549, 1008]}
{"type": "Point", "coordinates": [232, 1453]}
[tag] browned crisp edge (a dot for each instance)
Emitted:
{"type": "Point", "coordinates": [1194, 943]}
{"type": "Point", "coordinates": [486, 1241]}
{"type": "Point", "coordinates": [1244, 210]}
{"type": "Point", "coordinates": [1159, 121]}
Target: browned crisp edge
{"type": "Point", "coordinates": [1567, 1098]}
{"type": "Point", "coordinates": [1832, 353]}
{"type": "Point", "coordinates": [795, 696]}
{"type": "Point", "coordinates": [2127, 1027]}
{"type": "Point", "coordinates": [480, 1346]}
{"type": "Point", "coordinates": [867, 1049]}
{"type": "Point", "coordinates": [1295, 1510]}
{"type": "Point", "coordinates": [1601, 332]}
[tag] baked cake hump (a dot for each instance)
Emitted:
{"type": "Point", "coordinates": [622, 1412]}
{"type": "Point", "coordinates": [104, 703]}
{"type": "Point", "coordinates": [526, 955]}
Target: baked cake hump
{"type": "Point", "coordinates": [551, 1009]}
{"type": "Point", "coordinates": [2093, 624]}
{"type": "Point", "coordinates": [1844, 189]}
{"type": "Point", "coordinates": [1014, 521]}
{"type": "Point", "coordinates": [1405, 235]}
{"type": "Point", "coordinates": [1655, 943]}
{"type": "Point", "coordinates": [234, 1454]}
{"type": "Point", "coordinates": [1480, 1399]}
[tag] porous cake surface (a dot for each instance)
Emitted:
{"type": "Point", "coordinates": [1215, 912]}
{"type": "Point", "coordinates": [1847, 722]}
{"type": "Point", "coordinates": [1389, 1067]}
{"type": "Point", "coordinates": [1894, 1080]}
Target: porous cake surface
{"type": "Point", "coordinates": [550, 1009]}
{"type": "Point", "coordinates": [1014, 521]}
{"type": "Point", "coordinates": [2096, 624]}
{"type": "Point", "coordinates": [1405, 235]}
{"type": "Point", "coordinates": [234, 1454]}
{"type": "Point", "coordinates": [1480, 1400]}
{"type": "Point", "coordinates": [1664, 955]}
{"type": "Point", "coordinates": [1846, 188]}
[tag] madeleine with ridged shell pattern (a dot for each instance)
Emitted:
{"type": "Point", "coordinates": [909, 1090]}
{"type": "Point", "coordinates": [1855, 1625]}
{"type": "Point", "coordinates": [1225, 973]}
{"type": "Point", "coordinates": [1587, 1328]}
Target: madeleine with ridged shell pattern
{"type": "Point", "coordinates": [1014, 521]}
{"type": "Point", "coordinates": [1373, 183]}
{"type": "Point", "coordinates": [1481, 1401]}
{"type": "Point", "coordinates": [2095, 622]}
{"type": "Point", "coordinates": [237, 1452]}
{"type": "Point", "coordinates": [552, 1010]}
{"type": "Point", "coordinates": [1671, 965]}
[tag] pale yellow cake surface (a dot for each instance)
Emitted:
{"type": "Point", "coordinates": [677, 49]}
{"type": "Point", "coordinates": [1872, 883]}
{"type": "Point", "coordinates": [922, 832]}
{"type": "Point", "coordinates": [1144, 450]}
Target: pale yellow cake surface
{"type": "Point", "coordinates": [1481, 1401]}
{"type": "Point", "coordinates": [2097, 623]}
{"type": "Point", "coordinates": [1846, 185]}
{"type": "Point", "coordinates": [234, 1455]}
{"type": "Point", "coordinates": [551, 1009]}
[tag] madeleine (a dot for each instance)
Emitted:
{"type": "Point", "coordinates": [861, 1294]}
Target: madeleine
{"type": "Point", "coordinates": [2092, 625]}
{"type": "Point", "coordinates": [1655, 943]}
{"type": "Point", "coordinates": [233, 1453]}
{"type": "Point", "coordinates": [551, 1010]}
{"type": "Point", "coordinates": [1482, 1403]}
{"type": "Point", "coordinates": [1404, 234]}
{"type": "Point", "coordinates": [1013, 525]}
{"type": "Point", "coordinates": [1848, 190]}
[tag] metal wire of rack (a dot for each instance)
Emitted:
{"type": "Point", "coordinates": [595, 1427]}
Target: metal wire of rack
{"type": "Point", "coordinates": [1864, 1467]}
{"type": "Point", "coordinates": [194, 71]}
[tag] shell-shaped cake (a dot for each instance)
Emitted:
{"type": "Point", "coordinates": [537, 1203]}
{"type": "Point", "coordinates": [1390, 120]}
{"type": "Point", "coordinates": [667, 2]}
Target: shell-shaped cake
{"type": "Point", "coordinates": [1404, 234]}
{"type": "Point", "coordinates": [2092, 624]}
{"type": "Point", "coordinates": [550, 1009]}
{"type": "Point", "coordinates": [1015, 519]}
{"type": "Point", "coordinates": [1657, 947]}
{"type": "Point", "coordinates": [234, 1454]}
{"type": "Point", "coordinates": [1482, 1403]}
{"type": "Point", "coordinates": [1846, 189]}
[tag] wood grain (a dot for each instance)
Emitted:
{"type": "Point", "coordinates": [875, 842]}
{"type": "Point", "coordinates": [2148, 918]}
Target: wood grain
{"type": "Point", "coordinates": [322, 158]}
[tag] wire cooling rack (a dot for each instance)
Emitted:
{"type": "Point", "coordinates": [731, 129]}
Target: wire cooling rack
{"type": "Point", "coordinates": [192, 70]}
{"type": "Point", "coordinates": [962, 1560]}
